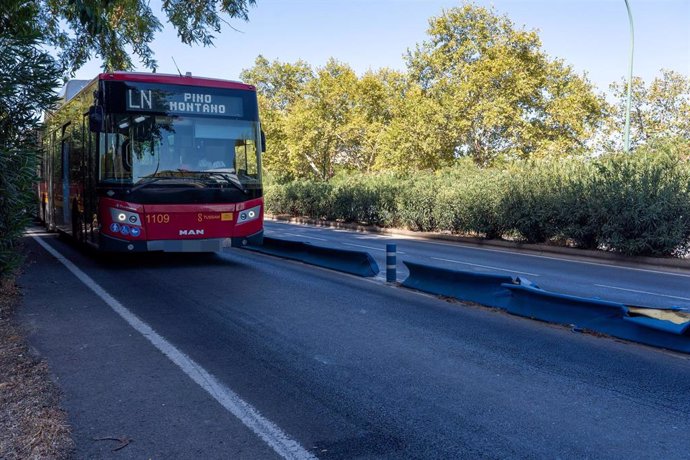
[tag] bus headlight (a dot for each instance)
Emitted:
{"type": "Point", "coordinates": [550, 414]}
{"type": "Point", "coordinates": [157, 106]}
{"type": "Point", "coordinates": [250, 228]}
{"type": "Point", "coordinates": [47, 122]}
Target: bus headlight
{"type": "Point", "coordinates": [248, 215]}
{"type": "Point", "coordinates": [120, 216]}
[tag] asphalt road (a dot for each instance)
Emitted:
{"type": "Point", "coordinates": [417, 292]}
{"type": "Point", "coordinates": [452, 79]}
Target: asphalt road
{"type": "Point", "coordinates": [633, 285]}
{"type": "Point", "coordinates": [344, 367]}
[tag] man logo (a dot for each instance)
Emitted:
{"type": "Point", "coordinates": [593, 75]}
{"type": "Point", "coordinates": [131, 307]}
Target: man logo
{"type": "Point", "coordinates": [191, 232]}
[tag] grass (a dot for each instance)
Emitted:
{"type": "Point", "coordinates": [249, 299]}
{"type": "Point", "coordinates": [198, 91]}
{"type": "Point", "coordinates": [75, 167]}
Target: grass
{"type": "Point", "coordinates": [32, 426]}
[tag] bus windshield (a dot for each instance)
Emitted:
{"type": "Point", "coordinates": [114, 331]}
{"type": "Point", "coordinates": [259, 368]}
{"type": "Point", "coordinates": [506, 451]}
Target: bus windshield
{"type": "Point", "coordinates": [139, 147]}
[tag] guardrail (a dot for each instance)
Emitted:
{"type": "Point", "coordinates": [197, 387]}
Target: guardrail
{"type": "Point", "coordinates": [486, 289]}
{"type": "Point", "coordinates": [357, 263]}
{"type": "Point", "coordinates": [660, 327]}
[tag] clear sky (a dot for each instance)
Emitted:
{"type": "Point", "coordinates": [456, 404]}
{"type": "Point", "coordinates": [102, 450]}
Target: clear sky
{"type": "Point", "coordinates": [591, 35]}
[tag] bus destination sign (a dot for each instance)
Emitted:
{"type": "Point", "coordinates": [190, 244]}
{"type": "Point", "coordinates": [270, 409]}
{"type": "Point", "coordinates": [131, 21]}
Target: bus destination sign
{"type": "Point", "coordinates": [187, 102]}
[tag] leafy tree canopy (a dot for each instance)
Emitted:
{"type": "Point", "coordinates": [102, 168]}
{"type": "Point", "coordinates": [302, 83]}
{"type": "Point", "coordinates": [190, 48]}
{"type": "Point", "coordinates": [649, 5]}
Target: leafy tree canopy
{"type": "Point", "coordinates": [114, 30]}
{"type": "Point", "coordinates": [502, 95]}
{"type": "Point", "coordinates": [324, 120]}
{"type": "Point", "coordinates": [659, 109]}
{"type": "Point", "coordinates": [29, 74]}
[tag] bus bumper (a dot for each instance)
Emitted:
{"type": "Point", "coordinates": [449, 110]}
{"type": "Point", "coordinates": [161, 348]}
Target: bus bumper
{"type": "Point", "coordinates": [110, 244]}
{"type": "Point", "coordinates": [257, 239]}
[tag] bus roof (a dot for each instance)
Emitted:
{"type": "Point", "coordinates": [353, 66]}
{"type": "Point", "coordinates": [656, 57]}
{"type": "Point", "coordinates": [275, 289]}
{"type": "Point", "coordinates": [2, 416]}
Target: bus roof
{"type": "Point", "coordinates": [169, 79]}
{"type": "Point", "coordinates": [71, 89]}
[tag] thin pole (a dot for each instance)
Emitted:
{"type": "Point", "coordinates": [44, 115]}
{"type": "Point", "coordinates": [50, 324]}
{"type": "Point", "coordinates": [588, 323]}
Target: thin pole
{"type": "Point", "coordinates": [391, 262]}
{"type": "Point", "coordinates": [630, 75]}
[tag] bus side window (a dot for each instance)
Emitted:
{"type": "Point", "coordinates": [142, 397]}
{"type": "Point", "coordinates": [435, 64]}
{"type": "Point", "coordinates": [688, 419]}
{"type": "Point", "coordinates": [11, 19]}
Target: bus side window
{"type": "Point", "coordinates": [245, 156]}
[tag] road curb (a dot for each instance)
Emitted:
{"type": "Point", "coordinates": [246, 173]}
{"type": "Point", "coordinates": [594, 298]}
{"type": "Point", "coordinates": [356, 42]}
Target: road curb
{"type": "Point", "coordinates": [537, 249]}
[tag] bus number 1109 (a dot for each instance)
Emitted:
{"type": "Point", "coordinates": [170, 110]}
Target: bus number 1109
{"type": "Point", "coordinates": [157, 218]}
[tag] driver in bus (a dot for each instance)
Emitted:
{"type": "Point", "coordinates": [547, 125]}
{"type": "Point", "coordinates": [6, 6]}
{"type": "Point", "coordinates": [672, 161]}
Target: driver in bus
{"type": "Point", "coordinates": [213, 153]}
{"type": "Point", "coordinates": [205, 164]}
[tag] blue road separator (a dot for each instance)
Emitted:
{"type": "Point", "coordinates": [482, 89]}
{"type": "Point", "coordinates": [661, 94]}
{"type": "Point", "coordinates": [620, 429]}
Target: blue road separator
{"type": "Point", "coordinates": [660, 325]}
{"type": "Point", "coordinates": [534, 302]}
{"type": "Point", "coordinates": [611, 318]}
{"type": "Point", "coordinates": [353, 262]}
{"type": "Point", "coordinates": [665, 328]}
{"type": "Point", "coordinates": [483, 288]}
{"type": "Point", "coordinates": [681, 327]}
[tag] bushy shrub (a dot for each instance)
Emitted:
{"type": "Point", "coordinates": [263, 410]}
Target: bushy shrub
{"type": "Point", "coordinates": [636, 204]}
{"type": "Point", "coordinates": [469, 201]}
{"type": "Point", "coordinates": [300, 198]}
{"type": "Point", "coordinates": [417, 204]}
{"type": "Point", "coordinates": [529, 204]}
{"type": "Point", "coordinates": [483, 196]}
{"type": "Point", "coordinates": [574, 219]}
{"type": "Point", "coordinates": [643, 203]}
{"type": "Point", "coordinates": [369, 199]}
{"type": "Point", "coordinates": [17, 198]}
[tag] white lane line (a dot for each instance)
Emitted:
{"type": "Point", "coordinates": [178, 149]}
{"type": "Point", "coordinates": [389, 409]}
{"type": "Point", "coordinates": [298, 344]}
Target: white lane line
{"type": "Point", "coordinates": [485, 266]}
{"type": "Point", "coordinates": [368, 247]}
{"type": "Point", "coordinates": [643, 292]}
{"type": "Point", "coordinates": [305, 236]}
{"type": "Point", "coordinates": [270, 433]}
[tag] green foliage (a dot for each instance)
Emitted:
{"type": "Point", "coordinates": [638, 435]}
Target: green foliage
{"type": "Point", "coordinates": [25, 89]}
{"type": "Point", "coordinates": [17, 194]}
{"type": "Point", "coordinates": [477, 87]}
{"type": "Point", "coordinates": [473, 200]}
{"type": "Point", "coordinates": [573, 203]}
{"type": "Point", "coordinates": [659, 109]}
{"type": "Point", "coordinates": [417, 204]}
{"type": "Point", "coordinates": [357, 198]}
{"type": "Point", "coordinates": [531, 204]}
{"type": "Point", "coordinates": [323, 121]}
{"type": "Point", "coordinates": [643, 202]}
{"type": "Point", "coordinates": [115, 29]}
{"type": "Point", "coordinates": [501, 95]}
{"type": "Point", "coordinates": [369, 199]}
{"type": "Point", "coordinates": [636, 204]}
{"type": "Point", "coordinates": [300, 198]}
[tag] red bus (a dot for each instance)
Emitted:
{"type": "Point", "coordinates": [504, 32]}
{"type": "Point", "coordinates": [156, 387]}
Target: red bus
{"type": "Point", "coordinates": [149, 162]}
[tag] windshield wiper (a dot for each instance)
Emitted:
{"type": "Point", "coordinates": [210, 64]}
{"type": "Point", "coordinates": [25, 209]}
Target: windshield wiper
{"type": "Point", "coordinates": [148, 180]}
{"type": "Point", "coordinates": [227, 176]}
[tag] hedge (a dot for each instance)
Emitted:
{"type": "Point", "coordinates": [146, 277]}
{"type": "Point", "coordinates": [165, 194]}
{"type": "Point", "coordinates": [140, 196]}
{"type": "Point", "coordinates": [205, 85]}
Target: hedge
{"type": "Point", "coordinates": [634, 204]}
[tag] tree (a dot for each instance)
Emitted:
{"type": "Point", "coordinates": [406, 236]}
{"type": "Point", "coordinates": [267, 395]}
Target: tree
{"type": "Point", "coordinates": [322, 121]}
{"type": "Point", "coordinates": [501, 95]}
{"type": "Point", "coordinates": [416, 138]}
{"type": "Point", "coordinates": [660, 109]}
{"type": "Point", "coordinates": [114, 29]}
{"type": "Point", "coordinates": [319, 128]}
{"type": "Point", "coordinates": [279, 86]}
{"type": "Point", "coordinates": [26, 87]}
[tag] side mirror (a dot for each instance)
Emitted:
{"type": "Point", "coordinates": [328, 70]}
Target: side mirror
{"type": "Point", "coordinates": [96, 119]}
{"type": "Point", "coordinates": [263, 142]}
